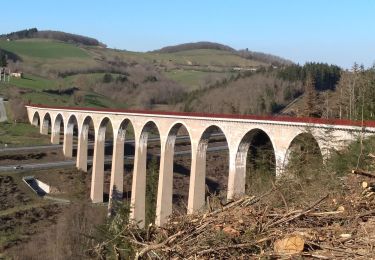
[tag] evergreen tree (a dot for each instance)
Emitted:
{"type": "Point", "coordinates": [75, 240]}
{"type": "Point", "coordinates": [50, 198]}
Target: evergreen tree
{"type": "Point", "coordinates": [3, 59]}
{"type": "Point", "coordinates": [311, 99]}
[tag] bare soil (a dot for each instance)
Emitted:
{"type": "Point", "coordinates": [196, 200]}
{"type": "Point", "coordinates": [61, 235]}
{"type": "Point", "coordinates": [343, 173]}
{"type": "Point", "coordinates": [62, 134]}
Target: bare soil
{"type": "Point", "coordinates": [21, 225]}
{"type": "Point", "coordinates": [10, 194]}
{"type": "Point", "coordinates": [31, 157]}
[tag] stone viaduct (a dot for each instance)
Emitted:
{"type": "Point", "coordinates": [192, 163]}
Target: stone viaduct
{"type": "Point", "coordinates": [239, 132]}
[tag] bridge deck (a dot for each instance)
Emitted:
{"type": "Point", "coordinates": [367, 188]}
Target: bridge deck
{"type": "Point", "coordinates": [308, 120]}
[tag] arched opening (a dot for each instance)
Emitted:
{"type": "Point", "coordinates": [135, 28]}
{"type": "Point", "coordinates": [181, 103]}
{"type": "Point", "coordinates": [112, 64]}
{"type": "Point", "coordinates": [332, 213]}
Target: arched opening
{"type": "Point", "coordinates": [129, 152]}
{"type": "Point", "coordinates": [57, 136]}
{"type": "Point", "coordinates": [36, 119]}
{"type": "Point", "coordinates": [46, 124]}
{"type": "Point", "coordinates": [86, 144]}
{"type": "Point", "coordinates": [213, 148]}
{"type": "Point", "coordinates": [180, 144]}
{"type": "Point", "coordinates": [303, 157]}
{"type": "Point", "coordinates": [150, 141]}
{"type": "Point", "coordinates": [255, 161]}
{"type": "Point", "coordinates": [105, 150]}
{"type": "Point", "coordinates": [122, 163]}
{"type": "Point", "coordinates": [71, 137]}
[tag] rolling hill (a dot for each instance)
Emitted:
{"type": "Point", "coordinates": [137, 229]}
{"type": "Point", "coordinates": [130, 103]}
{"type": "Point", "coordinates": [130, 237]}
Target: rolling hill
{"type": "Point", "coordinates": [96, 76]}
{"type": "Point", "coordinates": [194, 46]}
{"type": "Point", "coordinates": [52, 35]}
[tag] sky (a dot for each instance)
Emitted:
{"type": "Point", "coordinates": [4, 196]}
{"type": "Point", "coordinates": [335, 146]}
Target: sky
{"type": "Point", "coordinates": [333, 31]}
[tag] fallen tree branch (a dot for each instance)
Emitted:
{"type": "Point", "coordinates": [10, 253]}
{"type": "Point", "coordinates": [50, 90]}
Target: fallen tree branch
{"type": "Point", "coordinates": [157, 246]}
{"type": "Point", "coordinates": [336, 249]}
{"type": "Point", "coordinates": [364, 173]}
{"type": "Point", "coordinates": [207, 251]}
{"type": "Point", "coordinates": [287, 219]}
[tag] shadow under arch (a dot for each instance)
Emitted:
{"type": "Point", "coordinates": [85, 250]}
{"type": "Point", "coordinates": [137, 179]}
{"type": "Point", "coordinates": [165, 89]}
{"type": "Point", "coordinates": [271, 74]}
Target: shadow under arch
{"type": "Point", "coordinates": [255, 162]}
{"type": "Point", "coordinates": [127, 131]}
{"type": "Point", "coordinates": [86, 142]}
{"type": "Point", "coordinates": [303, 155]}
{"type": "Point", "coordinates": [36, 119]}
{"type": "Point", "coordinates": [71, 136]}
{"type": "Point", "coordinates": [102, 161]}
{"type": "Point", "coordinates": [57, 129]}
{"type": "Point", "coordinates": [180, 166]}
{"type": "Point", "coordinates": [213, 160]}
{"type": "Point", "coordinates": [146, 174]}
{"type": "Point", "coordinates": [122, 162]}
{"type": "Point", "coordinates": [46, 124]}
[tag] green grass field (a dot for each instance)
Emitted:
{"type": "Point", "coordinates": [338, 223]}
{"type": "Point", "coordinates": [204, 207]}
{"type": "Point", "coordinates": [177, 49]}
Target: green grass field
{"type": "Point", "coordinates": [34, 82]}
{"type": "Point", "coordinates": [43, 49]}
{"type": "Point", "coordinates": [21, 134]}
{"type": "Point", "coordinates": [91, 99]}
{"type": "Point", "coordinates": [210, 58]}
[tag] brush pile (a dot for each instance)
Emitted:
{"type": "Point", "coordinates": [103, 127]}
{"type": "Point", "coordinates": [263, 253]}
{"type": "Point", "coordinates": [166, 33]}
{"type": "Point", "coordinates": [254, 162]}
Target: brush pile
{"type": "Point", "coordinates": [333, 226]}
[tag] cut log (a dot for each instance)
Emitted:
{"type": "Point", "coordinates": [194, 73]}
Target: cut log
{"type": "Point", "coordinates": [363, 173]}
{"type": "Point", "coordinates": [289, 245]}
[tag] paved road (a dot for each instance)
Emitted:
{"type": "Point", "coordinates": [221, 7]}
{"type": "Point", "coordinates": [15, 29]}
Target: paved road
{"type": "Point", "coordinates": [68, 163]}
{"type": "Point", "coordinates": [55, 146]}
{"type": "Point", "coordinates": [3, 113]}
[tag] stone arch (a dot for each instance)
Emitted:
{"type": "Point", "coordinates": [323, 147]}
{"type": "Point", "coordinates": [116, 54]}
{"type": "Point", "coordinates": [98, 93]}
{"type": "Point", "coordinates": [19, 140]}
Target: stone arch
{"type": "Point", "coordinates": [101, 149]}
{"type": "Point", "coordinates": [71, 129]}
{"type": "Point", "coordinates": [121, 170]}
{"type": "Point", "coordinates": [36, 119]}
{"type": "Point", "coordinates": [254, 141]}
{"type": "Point", "coordinates": [56, 129]}
{"type": "Point", "coordinates": [86, 133]}
{"type": "Point", "coordinates": [300, 148]}
{"type": "Point", "coordinates": [152, 169]}
{"type": "Point", "coordinates": [146, 130]}
{"type": "Point", "coordinates": [168, 193]}
{"type": "Point", "coordinates": [46, 123]}
{"type": "Point", "coordinates": [85, 123]}
{"type": "Point", "coordinates": [145, 180]}
{"type": "Point", "coordinates": [200, 176]}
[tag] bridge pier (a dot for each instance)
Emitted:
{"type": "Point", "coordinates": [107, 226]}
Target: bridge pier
{"type": "Point", "coordinates": [44, 127]}
{"type": "Point", "coordinates": [237, 174]}
{"type": "Point", "coordinates": [97, 178]}
{"type": "Point", "coordinates": [197, 186]}
{"type": "Point", "coordinates": [165, 187]}
{"type": "Point", "coordinates": [56, 128]}
{"type": "Point", "coordinates": [117, 171]}
{"type": "Point", "coordinates": [55, 136]}
{"type": "Point", "coordinates": [138, 198]}
{"type": "Point", "coordinates": [68, 142]}
{"type": "Point", "coordinates": [82, 149]}
{"type": "Point", "coordinates": [281, 160]}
